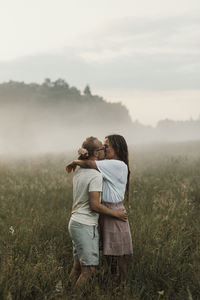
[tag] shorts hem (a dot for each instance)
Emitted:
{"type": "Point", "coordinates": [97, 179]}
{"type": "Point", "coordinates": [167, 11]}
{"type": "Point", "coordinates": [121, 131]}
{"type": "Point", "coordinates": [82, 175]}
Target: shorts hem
{"type": "Point", "coordinates": [89, 265]}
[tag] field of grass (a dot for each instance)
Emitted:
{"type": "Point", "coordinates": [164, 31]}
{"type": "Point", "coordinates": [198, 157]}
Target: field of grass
{"type": "Point", "coordinates": [36, 250]}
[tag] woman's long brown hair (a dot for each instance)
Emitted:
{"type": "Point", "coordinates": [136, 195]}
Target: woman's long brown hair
{"type": "Point", "coordinates": [120, 147]}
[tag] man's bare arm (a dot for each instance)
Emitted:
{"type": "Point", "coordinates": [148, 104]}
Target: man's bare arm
{"type": "Point", "coordinates": [90, 164]}
{"type": "Point", "coordinates": [95, 205]}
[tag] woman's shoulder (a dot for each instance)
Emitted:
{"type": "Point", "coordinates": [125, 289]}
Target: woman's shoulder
{"type": "Point", "coordinates": [118, 162]}
{"type": "Point", "coordinates": [112, 163]}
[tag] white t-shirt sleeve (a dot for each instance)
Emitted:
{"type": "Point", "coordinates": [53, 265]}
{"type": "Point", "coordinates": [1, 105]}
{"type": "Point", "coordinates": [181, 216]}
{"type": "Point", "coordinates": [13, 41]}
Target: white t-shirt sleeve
{"type": "Point", "coordinates": [95, 184]}
{"type": "Point", "coordinates": [111, 168]}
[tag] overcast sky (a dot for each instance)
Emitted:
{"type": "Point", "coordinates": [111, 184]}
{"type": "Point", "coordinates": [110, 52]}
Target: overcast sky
{"type": "Point", "coordinates": [144, 53]}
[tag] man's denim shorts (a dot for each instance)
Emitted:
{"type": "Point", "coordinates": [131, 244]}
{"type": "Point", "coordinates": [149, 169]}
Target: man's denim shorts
{"type": "Point", "coordinates": [85, 239]}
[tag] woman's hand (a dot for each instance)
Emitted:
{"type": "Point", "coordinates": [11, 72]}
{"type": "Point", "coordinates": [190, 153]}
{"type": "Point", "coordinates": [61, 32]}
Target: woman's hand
{"type": "Point", "coordinates": [71, 167]}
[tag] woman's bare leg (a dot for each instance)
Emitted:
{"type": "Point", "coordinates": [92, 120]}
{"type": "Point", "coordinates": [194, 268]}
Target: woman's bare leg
{"type": "Point", "coordinates": [111, 262]}
{"type": "Point", "coordinates": [122, 266]}
{"type": "Point", "coordinates": [76, 271]}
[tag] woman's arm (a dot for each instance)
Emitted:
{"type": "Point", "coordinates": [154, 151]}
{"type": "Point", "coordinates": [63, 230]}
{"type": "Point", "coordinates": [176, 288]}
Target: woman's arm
{"type": "Point", "coordinates": [90, 164]}
{"type": "Point", "coordinates": [95, 205]}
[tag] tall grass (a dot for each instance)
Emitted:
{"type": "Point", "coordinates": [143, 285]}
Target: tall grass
{"type": "Point", "coordinates": [35, 247]}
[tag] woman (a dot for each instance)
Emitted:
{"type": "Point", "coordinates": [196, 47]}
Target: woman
{"type": "Point", "coordinates": [116, 235]}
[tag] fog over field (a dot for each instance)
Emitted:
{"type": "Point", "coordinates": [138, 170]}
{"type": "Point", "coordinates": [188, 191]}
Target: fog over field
{"type": "Point", "coordinates": [54, 117]}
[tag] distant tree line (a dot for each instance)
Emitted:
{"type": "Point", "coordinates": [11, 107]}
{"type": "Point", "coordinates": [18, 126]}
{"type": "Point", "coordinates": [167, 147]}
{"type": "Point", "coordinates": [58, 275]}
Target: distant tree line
{"type": "Point", "coordinates": [52, 110]}
{"type": "Point", "coordinates": [60, 100]}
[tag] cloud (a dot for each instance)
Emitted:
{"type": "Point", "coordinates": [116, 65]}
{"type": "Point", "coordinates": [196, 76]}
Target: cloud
{"type": "Point", "coordinates": [140, 53]}
{"type": "Point", "coordinates": [132, 35]}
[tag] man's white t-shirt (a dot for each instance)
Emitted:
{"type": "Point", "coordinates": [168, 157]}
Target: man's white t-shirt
{"type": "Point", "coordinates": [85, 181]}
{"type": "Point", "coordinates": [114, 174]}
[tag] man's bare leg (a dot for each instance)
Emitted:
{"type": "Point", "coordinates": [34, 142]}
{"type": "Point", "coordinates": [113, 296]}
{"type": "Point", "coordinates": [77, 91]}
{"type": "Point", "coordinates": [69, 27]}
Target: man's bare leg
{"type": "Point", "coordinates": [86, 274]}
{"type": "Point", "coordinates": [75, 272]}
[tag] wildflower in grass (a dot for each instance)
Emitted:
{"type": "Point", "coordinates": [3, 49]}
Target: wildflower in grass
{"type": "Point", "coordinates": [59, 287]}
{"type": "Point", "coordinates": [161, 293]}
{"type": "Point", "coordinates": [11, 229]}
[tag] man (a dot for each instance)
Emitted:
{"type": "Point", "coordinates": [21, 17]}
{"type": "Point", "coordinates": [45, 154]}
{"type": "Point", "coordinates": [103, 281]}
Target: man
{"type": "Point", "coordinates": [87, 188]}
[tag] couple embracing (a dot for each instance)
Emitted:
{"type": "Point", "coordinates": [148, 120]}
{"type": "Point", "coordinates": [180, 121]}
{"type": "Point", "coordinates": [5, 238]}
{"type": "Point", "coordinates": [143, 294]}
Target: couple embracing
{"type": "Point", "coordinates": [99, 187]}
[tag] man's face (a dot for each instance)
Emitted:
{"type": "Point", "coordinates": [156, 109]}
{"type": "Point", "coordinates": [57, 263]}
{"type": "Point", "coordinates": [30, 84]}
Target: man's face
{"type": "Point", "coordinates": [101, 151]}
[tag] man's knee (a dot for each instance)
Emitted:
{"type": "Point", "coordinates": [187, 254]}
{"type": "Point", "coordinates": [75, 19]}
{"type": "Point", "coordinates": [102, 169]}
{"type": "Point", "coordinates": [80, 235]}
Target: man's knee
{"type": "Point", "coordinates": [87, 270]}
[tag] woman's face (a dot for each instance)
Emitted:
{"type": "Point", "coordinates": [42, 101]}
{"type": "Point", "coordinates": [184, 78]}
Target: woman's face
{"type": "Point", "coordinates": [109, 151]}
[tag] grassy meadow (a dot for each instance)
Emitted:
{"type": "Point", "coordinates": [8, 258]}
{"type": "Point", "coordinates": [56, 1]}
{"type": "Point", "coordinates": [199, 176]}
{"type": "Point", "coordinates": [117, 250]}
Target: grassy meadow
{"type": "Point", "coordinates": [36, 250]}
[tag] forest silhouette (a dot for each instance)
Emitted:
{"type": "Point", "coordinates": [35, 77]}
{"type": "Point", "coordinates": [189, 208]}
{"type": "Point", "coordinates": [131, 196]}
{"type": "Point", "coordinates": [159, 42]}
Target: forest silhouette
{"type": "Point", "coordinates": [53, 116]}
